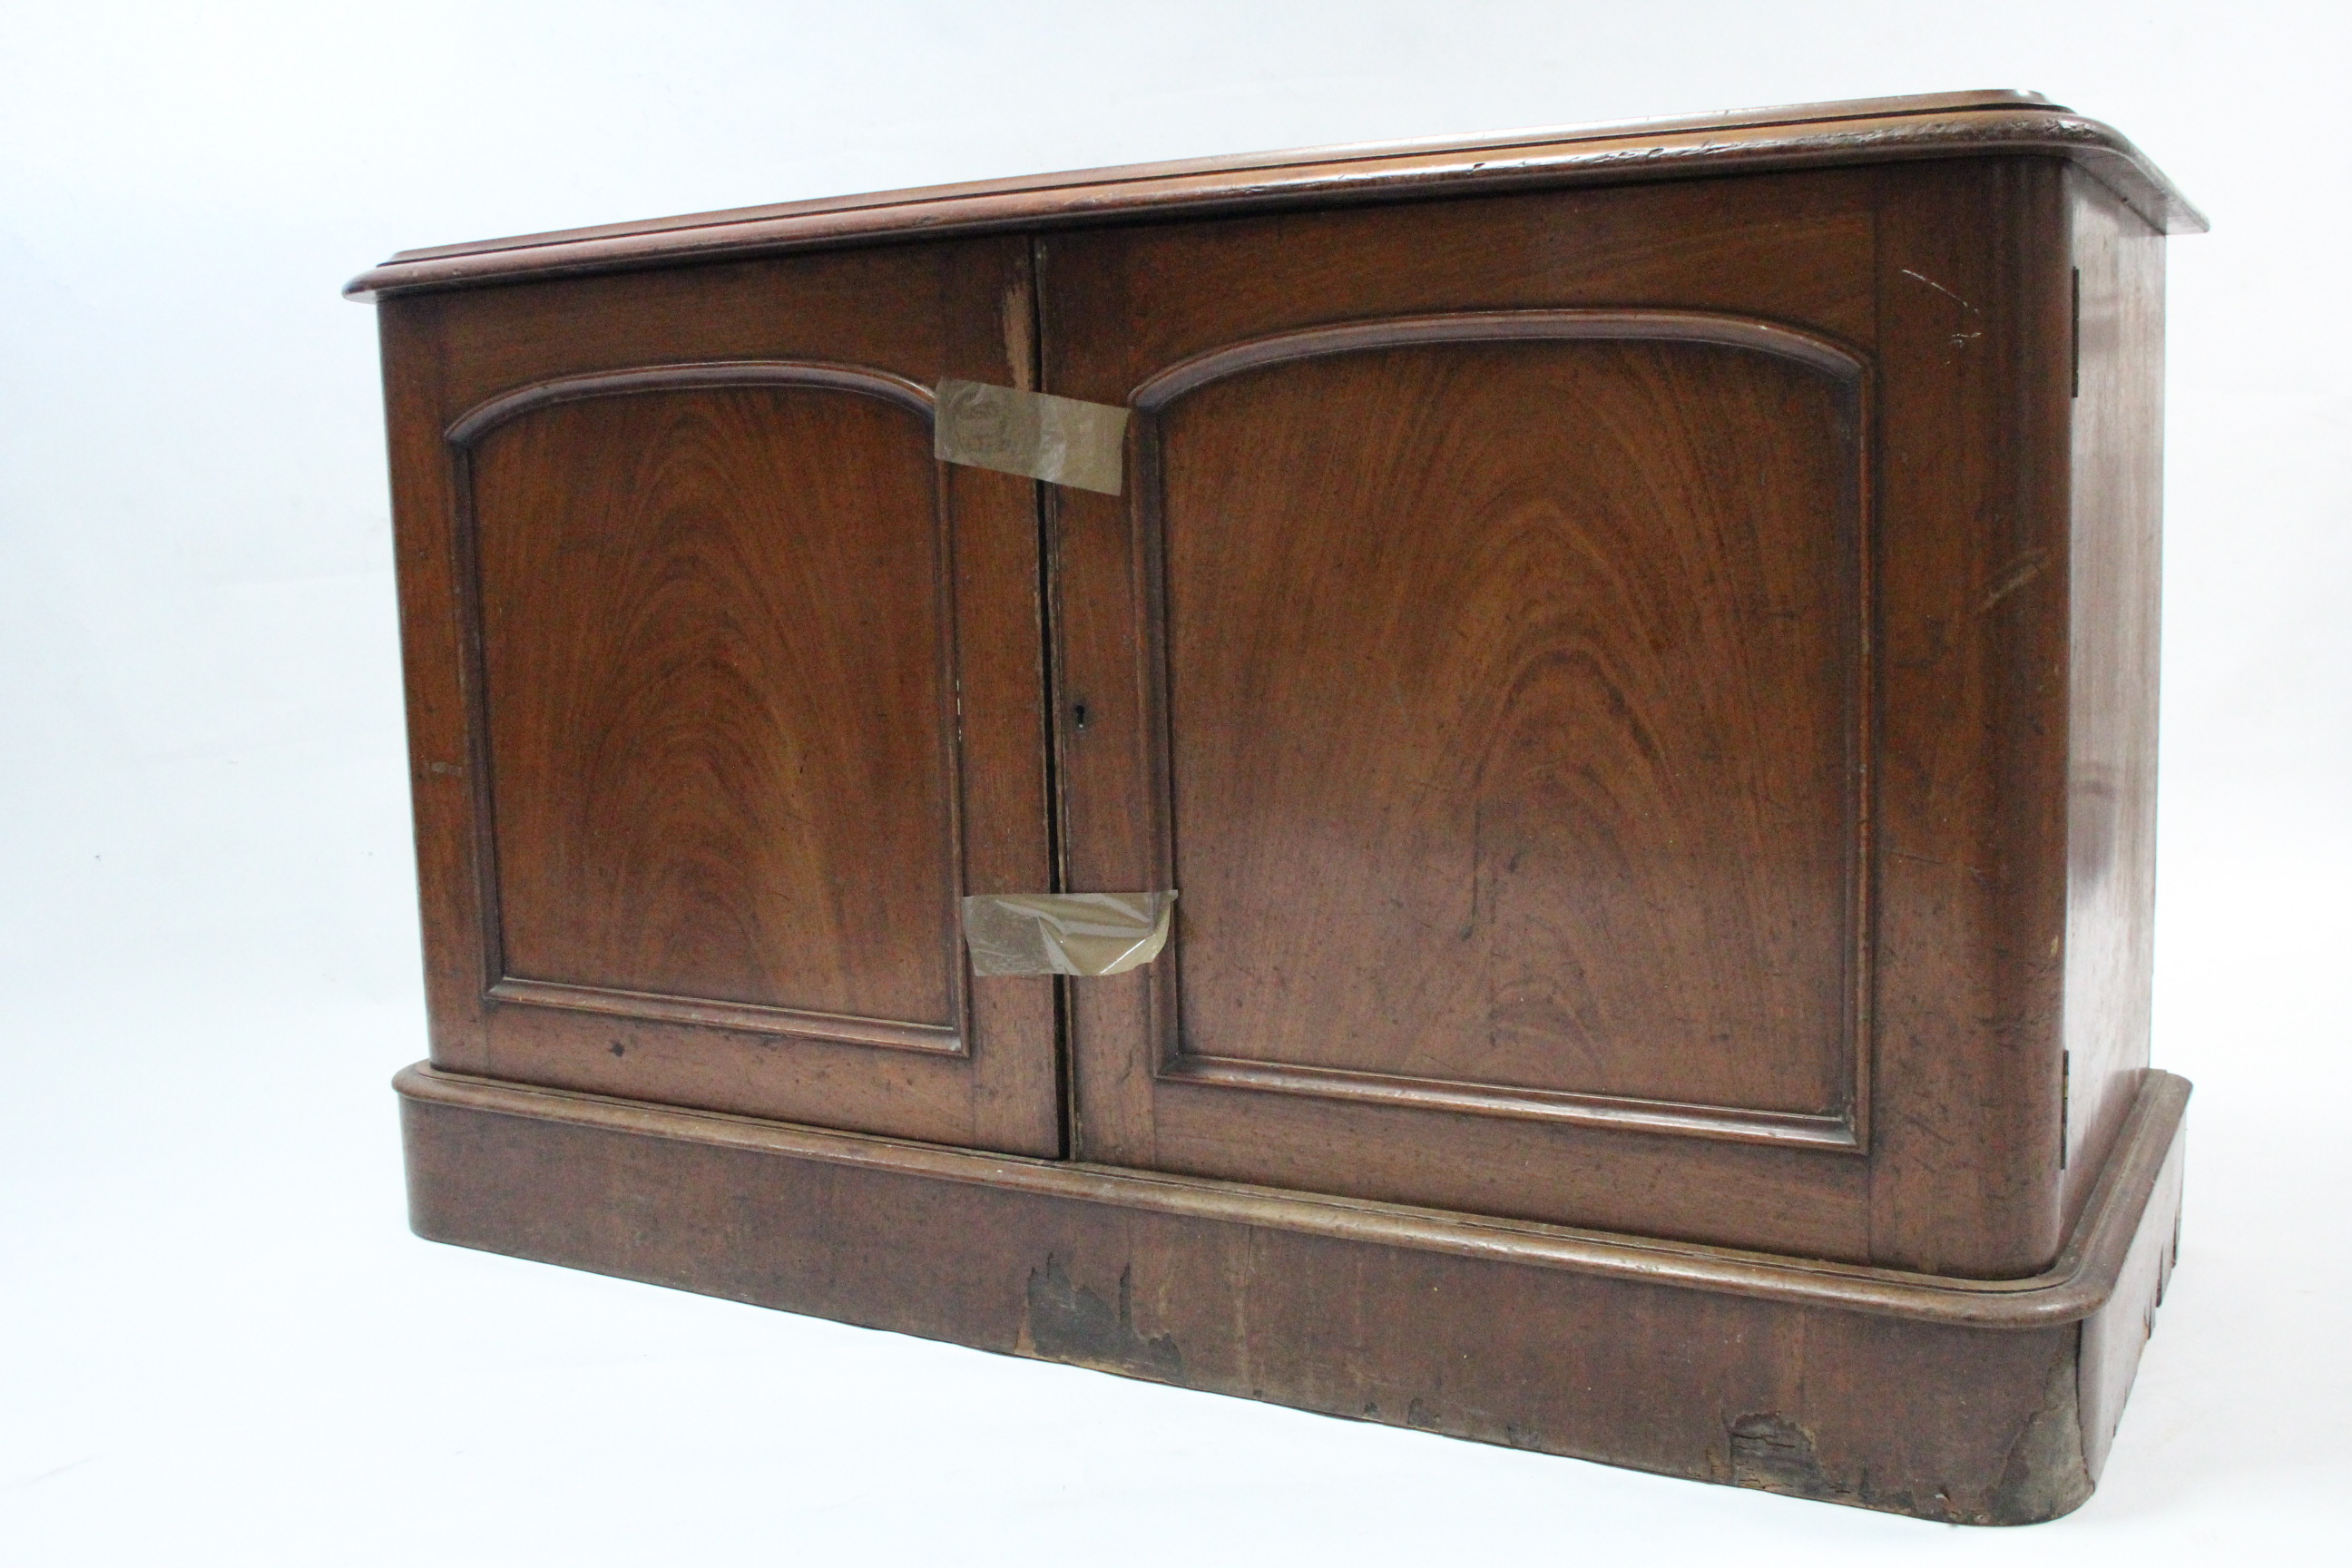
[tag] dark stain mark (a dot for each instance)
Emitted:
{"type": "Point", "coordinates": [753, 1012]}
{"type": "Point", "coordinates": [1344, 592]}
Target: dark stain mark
{"type": "Point", "coordinates": [1068, 1322]}
{"type": "Point", "coordinates": [2043, 1477]}
{"type": "Point", "coordinates": [618, 1048]}
{"type": "Point", "coordinates": [1522, 1437]}
{"type": "Point", "coordinates": [2045, 1474]}
{"type": "Point", "coordinates": [1935, 643]}
{"type": "Point", "coordinates": [1419, 1414]}
{"type": "Point", "coordinates": [1773, 1454]}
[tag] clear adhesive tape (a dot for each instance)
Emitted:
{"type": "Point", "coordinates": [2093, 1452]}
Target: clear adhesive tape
{"type": "Point", "coordinates": [1066, 934]}
{"type": "Point", "coordinates": [1033, 434]}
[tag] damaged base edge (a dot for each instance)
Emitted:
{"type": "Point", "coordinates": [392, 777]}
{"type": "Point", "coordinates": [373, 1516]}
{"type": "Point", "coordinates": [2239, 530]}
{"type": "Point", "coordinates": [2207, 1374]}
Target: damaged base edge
{"type": "Point", "coordinates": [1968, 1402]}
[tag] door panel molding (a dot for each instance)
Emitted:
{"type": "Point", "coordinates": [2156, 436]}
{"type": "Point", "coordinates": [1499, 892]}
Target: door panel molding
{"type": "Point", "coordinates": [748, 1017]}
{"type": "Point", "coordinates": [1818, 350]}
{"type": "Point", "coordinates": [463, 439]}
{"type": "Point", "coordinates": [1840, 1125]}
{"type": "Point", "coordinates": [485, 417]}
{"type": "Point", "coordinates": [1736, 1124]}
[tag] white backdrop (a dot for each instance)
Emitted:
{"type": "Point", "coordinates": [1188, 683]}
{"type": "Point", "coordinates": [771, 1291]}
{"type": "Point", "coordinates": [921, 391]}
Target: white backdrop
{"type": "Point", "coordinates": [218, 1344]}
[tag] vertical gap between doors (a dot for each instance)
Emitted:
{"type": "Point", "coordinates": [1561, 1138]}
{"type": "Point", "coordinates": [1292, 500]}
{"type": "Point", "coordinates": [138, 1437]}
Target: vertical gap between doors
{"type": "Point", "coordinates": [1050, 672]}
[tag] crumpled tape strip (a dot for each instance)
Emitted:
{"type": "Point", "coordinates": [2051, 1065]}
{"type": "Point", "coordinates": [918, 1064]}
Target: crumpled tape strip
{"type": "Point", "coordinates": [1066, 934]}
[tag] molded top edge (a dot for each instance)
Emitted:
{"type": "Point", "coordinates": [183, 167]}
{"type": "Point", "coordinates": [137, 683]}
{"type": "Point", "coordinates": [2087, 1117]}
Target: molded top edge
{"type": "Point", "coordinates": [1858, 130]}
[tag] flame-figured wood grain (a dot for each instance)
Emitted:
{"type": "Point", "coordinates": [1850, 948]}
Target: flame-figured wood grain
{"type": "Point", "coordinates": [720, 724]}
{"type": "Point", "coordinates": [1785, 256]}
{"type": "Point", "coordinates": [751, 686]}
{"type": "Point", "coordinates": [1940, 279]}
{"type": "Point", "coordinates": [1546, 640]}
{"type": "Point", "coordinates": [1538, 769]}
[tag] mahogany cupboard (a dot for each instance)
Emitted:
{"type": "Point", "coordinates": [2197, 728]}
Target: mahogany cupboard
{"type": "Point", "coordinates": [1634, 648]}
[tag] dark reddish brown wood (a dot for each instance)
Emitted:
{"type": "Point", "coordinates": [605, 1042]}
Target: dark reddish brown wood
{"type": "Point", "coordinates": [1938, 720]}
{"type": "Point", "coordinates": [1583, 592]}
{"type": "Point", "coordinates": [727, 691]}
{"type": "Point", "coordinates": [1973, 714]}
{"type": "Point", "coordinates": [719, 703]}
{"type": "Point", "coordinates": [1634, 644]}
{"type": "Point", "coordinates": [1925, 126]}
{"type": "Point", "coordinates": [1725, 257]}
{"type": "Point", "coordinates": [1951, 1399]}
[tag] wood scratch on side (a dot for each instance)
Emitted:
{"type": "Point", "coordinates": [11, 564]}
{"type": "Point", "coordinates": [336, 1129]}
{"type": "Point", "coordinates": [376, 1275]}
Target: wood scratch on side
{"type": "Point", "coordinates": [1939, 288]}
{"type": "Point", "coordinates": [2027, 567]}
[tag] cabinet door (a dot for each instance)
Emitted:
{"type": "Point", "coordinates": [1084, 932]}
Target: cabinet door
{"type": "Point", "coordinates": [1483, 652]}
{"type": "Point", "coordinates": [727, 690]}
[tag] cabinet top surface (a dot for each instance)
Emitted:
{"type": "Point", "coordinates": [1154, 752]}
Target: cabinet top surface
{"type": "Point", "coordinates": [1858, 130]}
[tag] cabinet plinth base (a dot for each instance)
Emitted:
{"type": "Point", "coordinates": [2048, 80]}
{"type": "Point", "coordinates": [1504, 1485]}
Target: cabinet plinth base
{"type": "Point", "coordinates": [1974, 1402]}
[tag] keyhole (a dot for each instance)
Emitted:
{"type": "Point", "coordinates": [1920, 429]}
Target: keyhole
{"type": "Point", "coordinates": [1078, 714]}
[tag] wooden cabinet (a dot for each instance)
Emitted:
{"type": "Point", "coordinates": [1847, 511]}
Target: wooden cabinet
{"type": "Point", "coordinates": [1634, 646]}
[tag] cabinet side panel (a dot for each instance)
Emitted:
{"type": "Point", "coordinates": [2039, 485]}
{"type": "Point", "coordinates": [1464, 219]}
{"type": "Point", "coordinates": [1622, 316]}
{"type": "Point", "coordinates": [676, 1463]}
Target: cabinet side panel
{"type": "Point", "coordinates": [2117, 480]}
{"type": "Point", "coordinates": [1973, 340]}
{"type": "Point", "coordinates": [2115, 1336]}
{"type": "Point", "coordinates": [437, 663]}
